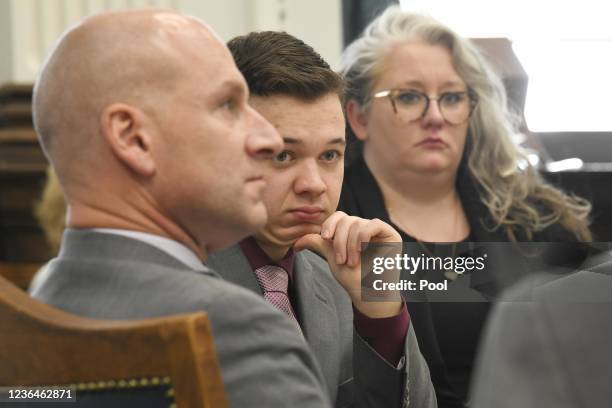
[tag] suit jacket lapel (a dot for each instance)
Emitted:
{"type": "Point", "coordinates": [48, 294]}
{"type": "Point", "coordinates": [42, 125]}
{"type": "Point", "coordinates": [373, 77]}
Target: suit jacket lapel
{"type": "Point", "coordinates": [312, 303]}
{"type": "Point", "coordinates": [318, 317]}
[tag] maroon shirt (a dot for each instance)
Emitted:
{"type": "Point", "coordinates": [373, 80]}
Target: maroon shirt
{"type": "Point", "coordinates": [385, 335]}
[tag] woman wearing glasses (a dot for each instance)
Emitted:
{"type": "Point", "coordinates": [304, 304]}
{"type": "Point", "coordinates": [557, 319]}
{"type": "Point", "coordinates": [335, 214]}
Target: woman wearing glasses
{"type": "Point", "coordinates": [436, 160]}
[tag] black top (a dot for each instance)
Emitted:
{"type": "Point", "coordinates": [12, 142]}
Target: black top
{"type": "Point", "coordinates": [448, 332]}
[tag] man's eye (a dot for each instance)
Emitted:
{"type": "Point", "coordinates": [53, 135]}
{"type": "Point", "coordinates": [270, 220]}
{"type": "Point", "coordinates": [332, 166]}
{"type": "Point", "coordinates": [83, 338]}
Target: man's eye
{"type": "Point", "coordinates": [409, 97]}
{"type": "Point", "coordinates": [229, 104]}
{"type": "Point", "coordinates": [452, 98]}
{"type": "Point", "coordinates": [330, 155]}
{"type": "Point", "coordinates": [283, 157]}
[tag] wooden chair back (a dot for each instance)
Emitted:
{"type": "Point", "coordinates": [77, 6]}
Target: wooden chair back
{"type": "Point", "coordinates": [41, 345]}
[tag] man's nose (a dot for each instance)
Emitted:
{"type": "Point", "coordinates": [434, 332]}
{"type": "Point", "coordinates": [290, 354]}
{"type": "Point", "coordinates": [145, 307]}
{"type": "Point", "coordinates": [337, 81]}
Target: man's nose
{"type": "Point", "coordinates": [310, 180]}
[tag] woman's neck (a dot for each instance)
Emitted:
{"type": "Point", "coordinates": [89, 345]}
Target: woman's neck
{"type": "Point", "coordinates": [426, 206]}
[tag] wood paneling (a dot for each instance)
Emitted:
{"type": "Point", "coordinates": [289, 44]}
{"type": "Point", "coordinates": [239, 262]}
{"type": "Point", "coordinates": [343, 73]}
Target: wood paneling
{"type": "Point", "coordinates": [22, 176]}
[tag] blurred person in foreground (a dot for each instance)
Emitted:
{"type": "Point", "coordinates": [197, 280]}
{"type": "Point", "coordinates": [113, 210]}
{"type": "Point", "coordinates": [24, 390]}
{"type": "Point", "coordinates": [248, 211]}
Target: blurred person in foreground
{"type": "Point", "coordinates": [141, 114]}
{"type": "Point", "coordinates": [366, 349]}
{"type": "Point", "coordinates": [547, 344]}
{"type": "Point", "coordinates": [436, 160]}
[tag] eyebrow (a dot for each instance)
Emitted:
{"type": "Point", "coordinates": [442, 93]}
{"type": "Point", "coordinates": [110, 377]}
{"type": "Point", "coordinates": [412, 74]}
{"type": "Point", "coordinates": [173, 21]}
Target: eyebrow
{"type": "Point", "coordinates": [293, 141]}
{"type": "Point", "coordinates": [229, 86]}
{"type": "Point", "coordinates": [338, 140]}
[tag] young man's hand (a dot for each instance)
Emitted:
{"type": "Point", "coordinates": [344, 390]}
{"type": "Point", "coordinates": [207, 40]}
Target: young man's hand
{"type": "Point", "coordinates": [340, 244]}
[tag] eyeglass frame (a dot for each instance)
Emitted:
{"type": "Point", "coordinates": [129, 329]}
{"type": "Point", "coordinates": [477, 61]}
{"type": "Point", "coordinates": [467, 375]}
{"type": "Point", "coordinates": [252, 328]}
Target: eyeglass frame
{"type": "Point", "coordinates": [390, 93]}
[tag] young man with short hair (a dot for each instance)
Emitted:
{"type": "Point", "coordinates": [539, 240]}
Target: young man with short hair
{"type": "Point", "coordinates": [364, 348]}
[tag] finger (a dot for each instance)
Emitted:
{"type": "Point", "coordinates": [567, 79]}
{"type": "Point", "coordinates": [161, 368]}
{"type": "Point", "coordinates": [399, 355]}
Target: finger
{"type": "Point", "coordinates": [354, 242]}
{"type": "Point", "coordinates": [328, 228]}
{"type": "Point", "coordinates": [379, 231]}
{"type": "Point", "coordinates": [370, 229]}
{"type": "Point", "coordinates": [367, 231]}
{"type": "Point", "coordinates": [341, 236]}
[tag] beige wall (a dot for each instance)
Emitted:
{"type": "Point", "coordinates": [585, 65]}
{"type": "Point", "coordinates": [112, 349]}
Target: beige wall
{"type": "Point", "coordinates": [28, 28]}
{"type": "Point", "coordinates": [6, 51]}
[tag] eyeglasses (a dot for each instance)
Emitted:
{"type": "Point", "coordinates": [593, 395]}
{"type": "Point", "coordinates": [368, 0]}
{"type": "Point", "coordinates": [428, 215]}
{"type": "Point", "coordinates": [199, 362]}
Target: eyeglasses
{"type": "Point", "coordinates": [410, 105]}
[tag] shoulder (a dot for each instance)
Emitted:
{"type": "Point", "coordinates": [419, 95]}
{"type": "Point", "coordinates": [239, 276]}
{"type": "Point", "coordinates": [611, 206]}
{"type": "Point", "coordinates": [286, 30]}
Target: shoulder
{"type": "Point", "coordinates": [319, 267]}
{"type": "Point", "coordinates": [555, 233]}
{"type": "Point", "coordinates": [259, 349]}
{"type": "Point", "coordinates": [231, 264]}
{"type": "Point", "coordinates": [220, 257]}
{"type": "Point", "coordinates": [481, 219]}
{"type": "Point", "coordinates": [126, 289]}
{"type": "Point", "coordinates": [556, 289]}
{"type": "Point", "coordinates": [315, 260]}
{"type": "Point", "coordinates": [135, 290]}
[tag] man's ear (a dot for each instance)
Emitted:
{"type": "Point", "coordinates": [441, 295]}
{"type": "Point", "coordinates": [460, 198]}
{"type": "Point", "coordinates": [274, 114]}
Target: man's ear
{"type": "Point", "coordinates": [357, 118]}
{"type": "Point", "coordinates": [123, 127]}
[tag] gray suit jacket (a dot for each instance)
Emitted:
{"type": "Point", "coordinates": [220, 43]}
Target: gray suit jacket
{"type": "Point", "coordinates": [264, 362]}
{"type": "Point", "coordinates": [550, 345]}
{"type": "Point", "coordinates": [354, 373]}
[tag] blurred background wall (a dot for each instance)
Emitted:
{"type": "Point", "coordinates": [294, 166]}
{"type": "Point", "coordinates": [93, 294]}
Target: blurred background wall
{"type": "Point", "coordinates": [28, 28]}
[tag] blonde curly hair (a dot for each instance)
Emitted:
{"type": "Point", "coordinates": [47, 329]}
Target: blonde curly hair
{"type": "Point", "coordinates": [51, 211]}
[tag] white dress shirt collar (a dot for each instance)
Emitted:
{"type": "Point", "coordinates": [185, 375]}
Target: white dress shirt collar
{"type": "Point", "coordinates": [169, 246]}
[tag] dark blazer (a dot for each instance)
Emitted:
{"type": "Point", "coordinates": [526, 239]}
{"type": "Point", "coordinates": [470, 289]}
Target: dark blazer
{"type": "Point", "coordinates": [264, 362]}
{"type": "Point", "coordinates": [548, 344]}
{"type": "Point", "coordinates": [356, 376]}
{"type": "Point", "coordinates": [361, 196]}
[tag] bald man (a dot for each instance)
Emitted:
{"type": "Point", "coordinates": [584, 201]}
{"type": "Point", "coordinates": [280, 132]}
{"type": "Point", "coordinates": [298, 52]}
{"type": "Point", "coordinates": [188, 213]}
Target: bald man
{"type": "Point", "coordinates": [141, 115]}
